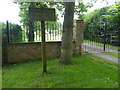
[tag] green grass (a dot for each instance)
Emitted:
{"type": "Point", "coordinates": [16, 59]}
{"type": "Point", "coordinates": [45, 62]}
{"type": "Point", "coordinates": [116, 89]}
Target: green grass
{"type": "Point", "coordinates": [0, 78]}
{"type": "Point", "coordinates": [104, 61]}
{"type": "Point", "coordinates": [86, 72]}
{"type": "Point", "coordinates": [101, 44]}
{"type": "Point", "coordinates": [112, 54]}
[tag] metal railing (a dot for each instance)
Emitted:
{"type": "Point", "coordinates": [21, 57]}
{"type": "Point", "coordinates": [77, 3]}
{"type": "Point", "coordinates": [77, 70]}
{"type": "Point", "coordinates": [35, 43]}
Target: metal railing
{"type": "Point", "coordinates": [53, 32]}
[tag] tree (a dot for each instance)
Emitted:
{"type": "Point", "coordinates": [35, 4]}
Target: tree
{"type": "Point", "coordinates": [81, 8]}
{"type": "Point", "coordinates": [15, 33]}
{"type": "Point", "coordinates": [95, 23]}
{"type": "Point", "coordinates": [66, 47]}
{"type": "Point", "coordinates": [24, 6]}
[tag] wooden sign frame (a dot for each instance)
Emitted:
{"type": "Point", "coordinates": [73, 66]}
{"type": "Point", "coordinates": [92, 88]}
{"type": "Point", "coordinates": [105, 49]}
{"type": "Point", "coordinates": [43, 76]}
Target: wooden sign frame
{"type": "Point", "coordinates": [42, 14]}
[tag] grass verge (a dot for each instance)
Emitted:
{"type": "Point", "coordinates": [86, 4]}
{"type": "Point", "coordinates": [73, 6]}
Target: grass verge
{"type": "Point", "coordinates": [104, 61]}
{"type": "Point", "coordinates": [112, 54]}
{"type": "Point", "coordinates": [86, 72]}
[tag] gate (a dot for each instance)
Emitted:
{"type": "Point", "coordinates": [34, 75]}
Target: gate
{"type": "Point", "coordinates": [99, 38]}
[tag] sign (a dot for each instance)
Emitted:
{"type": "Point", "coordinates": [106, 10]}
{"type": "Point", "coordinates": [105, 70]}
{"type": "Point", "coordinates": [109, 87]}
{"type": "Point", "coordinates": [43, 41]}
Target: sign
{"type": "Point", "coordinates": [42, 14]}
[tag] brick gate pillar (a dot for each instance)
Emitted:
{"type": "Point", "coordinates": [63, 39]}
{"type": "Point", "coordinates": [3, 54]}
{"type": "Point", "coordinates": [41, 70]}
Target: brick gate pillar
{"type": "Point", "coordinates": [78, 35]}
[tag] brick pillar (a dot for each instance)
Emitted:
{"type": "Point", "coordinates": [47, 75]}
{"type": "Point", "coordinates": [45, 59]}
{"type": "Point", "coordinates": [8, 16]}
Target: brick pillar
{"type": "Point", "coordinates": [78, 35]}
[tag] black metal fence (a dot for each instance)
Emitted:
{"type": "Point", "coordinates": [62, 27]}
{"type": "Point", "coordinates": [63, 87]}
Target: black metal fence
{"type": "Point", "coordinates": [99, 36]}
{"type": "Point", "coordinates": [16, 33]}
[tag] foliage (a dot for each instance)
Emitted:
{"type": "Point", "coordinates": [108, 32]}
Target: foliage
{"type": "Point", "coordinates": [81, 8]}
{"type": "Point", "coordinates": [87, 72]}
{"type": "Point", "coordinates": [24, 10]}
{"type": "Point", "coordinates": [32, 26]}
{"type": "Point", "coordinates": [59, 6]}
{"type": "Point", "coordinates": [95, 23]}
{"type": "Point", "coordinates": [2, 27]}
{"type": "Point", "coordinates": [15, 33]}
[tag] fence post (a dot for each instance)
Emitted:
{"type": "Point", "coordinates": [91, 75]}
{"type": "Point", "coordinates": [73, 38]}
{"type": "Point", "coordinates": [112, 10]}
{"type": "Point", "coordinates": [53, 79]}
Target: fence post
{"type": "Point", "coordinates": [5, 45]}
{"type": "Point", "coordinates": [78, 35]}
{"type": "Point", "coordinates": [104, 36]}
{"type": "Point", "coordinates": [7, 32]}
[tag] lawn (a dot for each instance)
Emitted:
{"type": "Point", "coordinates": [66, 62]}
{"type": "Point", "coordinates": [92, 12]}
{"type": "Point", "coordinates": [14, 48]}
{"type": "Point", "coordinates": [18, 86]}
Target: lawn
{"type": "Point", "coordinates": [86, 72]}
{"type": "Point", "coordinates": [101, 44]}
{"type": "Point", "coordinates": [112, 54]}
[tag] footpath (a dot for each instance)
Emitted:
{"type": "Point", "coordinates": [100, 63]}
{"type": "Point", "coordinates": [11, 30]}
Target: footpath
{"type": "Point", "coordinates": [98, 51]}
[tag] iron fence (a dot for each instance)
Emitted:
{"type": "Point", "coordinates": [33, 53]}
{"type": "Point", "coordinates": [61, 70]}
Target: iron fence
{"type": "Point", "coordinates": [98, 36]}
{"type": "Point", "coordinates": [53, 32]}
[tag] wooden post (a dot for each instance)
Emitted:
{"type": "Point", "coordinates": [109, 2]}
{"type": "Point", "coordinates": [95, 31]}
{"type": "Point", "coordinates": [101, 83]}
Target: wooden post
{"type": "Point", "coordinates": [42, 14]}
{"type": "Point", "coordinates": [43, 48]}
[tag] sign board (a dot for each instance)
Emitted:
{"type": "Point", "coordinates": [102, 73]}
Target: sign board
{"type": "Point", "coordinates": [42, 14]}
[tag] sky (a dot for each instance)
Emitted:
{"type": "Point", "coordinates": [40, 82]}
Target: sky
{"type": "Point", "coordinates": [10, 11]}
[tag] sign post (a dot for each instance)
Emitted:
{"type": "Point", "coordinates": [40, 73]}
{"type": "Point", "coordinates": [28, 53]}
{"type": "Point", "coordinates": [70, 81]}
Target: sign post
{"type": "Point", "coordinates": [42, 14]}
{"type": "Point", "coordinates": [43, 46]}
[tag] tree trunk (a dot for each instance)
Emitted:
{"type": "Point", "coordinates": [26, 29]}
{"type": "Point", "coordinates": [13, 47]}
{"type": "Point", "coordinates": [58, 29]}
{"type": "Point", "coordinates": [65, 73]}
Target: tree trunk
{"type": "Point", "coordinates": [31, 26]}
{"type": "Point", "coordinates": [66, 47]}
{"type": "Point", "coordinates": [31, 32]}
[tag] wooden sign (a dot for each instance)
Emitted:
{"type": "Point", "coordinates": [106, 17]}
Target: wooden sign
{"type": "Point", "coordinates": [42, 14]}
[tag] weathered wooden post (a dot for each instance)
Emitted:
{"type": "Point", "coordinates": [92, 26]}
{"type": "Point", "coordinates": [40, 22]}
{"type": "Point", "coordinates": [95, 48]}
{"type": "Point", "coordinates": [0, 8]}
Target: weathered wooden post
{"type": "Point", "coordinates": [42, 14]}
{"type": "Point", "coordinates": [43, 46]}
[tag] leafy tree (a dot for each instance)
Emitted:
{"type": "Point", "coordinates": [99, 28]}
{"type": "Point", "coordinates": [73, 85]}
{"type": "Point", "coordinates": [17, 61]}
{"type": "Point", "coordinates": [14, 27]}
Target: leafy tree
{"type": "Point", "coordinates": [15, 33]}
{"type": "Point", "coordinates": [66, 48]}
{"type": "Point", "coordinates": [95, 23]}
{"type": "Point", "coordinates": [25, 17]}
{"type": "Point", "coordinates": [81, 8]}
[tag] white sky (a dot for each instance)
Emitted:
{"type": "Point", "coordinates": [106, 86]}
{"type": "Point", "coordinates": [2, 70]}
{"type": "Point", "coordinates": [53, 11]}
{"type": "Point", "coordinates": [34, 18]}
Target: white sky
{"type": "Point", "coordinates": [10, 11]}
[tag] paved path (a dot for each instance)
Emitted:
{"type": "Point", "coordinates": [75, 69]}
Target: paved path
{"type": "Point", "coordinates": [96, 50]}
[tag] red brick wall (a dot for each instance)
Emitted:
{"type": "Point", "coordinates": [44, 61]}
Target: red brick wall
{"type": "Point", "coordinates": [20, 52]}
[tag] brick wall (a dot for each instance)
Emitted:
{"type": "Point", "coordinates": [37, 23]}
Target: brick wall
{"type": "Point", "coordinates": [20, 52]}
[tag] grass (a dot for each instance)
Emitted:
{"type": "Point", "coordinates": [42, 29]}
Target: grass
{"type": "Point", "coordinates": [104, 61]}
{"type": "Point", "coordinates": [0, 78]}
{"type": "Point", "coordinates": [112, 54]}
{"type": "Point", "coordinates": [101, 44]}
{"type": "Point", "coordinates": [86, 72]}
